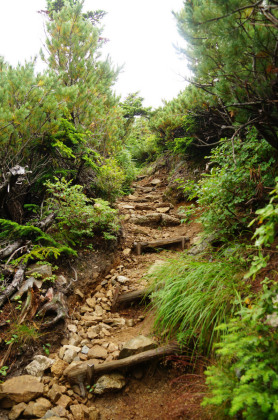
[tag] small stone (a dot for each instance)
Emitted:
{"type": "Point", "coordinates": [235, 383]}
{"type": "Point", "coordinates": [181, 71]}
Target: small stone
{"type": "Point", "coordinates": [64, 401]}
{"type": "Point", "coordinates": [59, 367]}
{"type": "Point", "coordinates": [130, 323]}
{"type": "Point", "coordinates": [41, 406]}
{"type": "Point", "coordinates": [56, 392]}
{"type": "Point", "coordinates": [70, 352]}
{"type": "Point", "coordinates": [163, 209]}
{"type": "Point", "coordinates": [98, 310]}
{"type": "Point", "coordinates": [79, 411]}
{"type": "Point", "coordinates": [97, 352]}
{"type": "Point", "coordinates": [74, 340]}
{"type": "Point", "coordinates": [126, 251]}
{"type": "Point", "coordinates": [72, 328]}
{"type": "Point", "coordinates": [156, 181]}
{"type": "Point", "coordinates": [28, 412]}
{"type": "Point", "coordinates": [17, 410]}
{"type": "Point", "coordinates": [39, 365]}
{"type": "Point", "coordinates": [107, 383]}
{"type": "Point", "coordinates": [91, 302]}
{"type": "Point", "coordinates": [93, 413]}
{"type": "Point", "coordinates": [85, 350]}
{"type": "Point", "coordinates": [112, 347]}
{"type": "Point", "coordinates": [122, 279]}
{"type": "Point", "coordinates": [85, 309]}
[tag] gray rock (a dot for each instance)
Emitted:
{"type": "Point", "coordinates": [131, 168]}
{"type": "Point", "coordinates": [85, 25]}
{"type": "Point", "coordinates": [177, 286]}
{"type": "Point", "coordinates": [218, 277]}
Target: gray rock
{"type": "Point", "coordinates": [39, 365]}
{"type": "Point", "coordinates": [85, 350]}
{"type": "Point", "coordinates": [70, 353]}
{"type": "Point", "coordinates": [122, 279]}
{"type": "Point", "coordinates": [137, 345]}
{"type": "Point", "coordinates": [106, 383]}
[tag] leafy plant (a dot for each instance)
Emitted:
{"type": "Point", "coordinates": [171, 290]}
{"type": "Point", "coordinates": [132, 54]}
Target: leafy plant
{"type": "Point", "coordinates": [192, 296]}
{"type": "Point", "coordinates": [3, 370]}
{"type": "Point", "coordinates": [46, 348]}
{"type": "Point", "coordinates": [233, 187]}
{"type": "Point", "coordinates": [77, 216]}
{"type": "Point", "coordinates": [244, 381]}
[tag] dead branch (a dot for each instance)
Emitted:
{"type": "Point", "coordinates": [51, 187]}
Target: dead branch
{"type": "Point", "coordinates": [15, 284]}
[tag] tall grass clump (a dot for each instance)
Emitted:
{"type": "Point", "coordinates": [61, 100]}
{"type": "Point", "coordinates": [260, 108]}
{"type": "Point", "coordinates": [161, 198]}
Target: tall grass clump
{"type": "Point", "coordinates": [192, 296]}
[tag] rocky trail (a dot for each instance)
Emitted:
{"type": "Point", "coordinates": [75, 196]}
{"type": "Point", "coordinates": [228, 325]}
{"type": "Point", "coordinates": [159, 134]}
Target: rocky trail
{"type": "Point", "coordinates": [109, 340]}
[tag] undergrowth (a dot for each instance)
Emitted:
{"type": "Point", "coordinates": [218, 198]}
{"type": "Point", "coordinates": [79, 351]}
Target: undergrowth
{"type": "Point", "coordinates": [192, 296]}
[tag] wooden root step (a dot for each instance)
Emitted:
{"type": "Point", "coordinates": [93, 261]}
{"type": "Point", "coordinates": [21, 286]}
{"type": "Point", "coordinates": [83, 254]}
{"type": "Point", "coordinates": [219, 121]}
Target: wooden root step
{"type": "Point", "coordinates": [87, 371]}
{"type": "Point", "coordinates": [139, 246]}
{"type": "Point", "coordinates": [130, 297]}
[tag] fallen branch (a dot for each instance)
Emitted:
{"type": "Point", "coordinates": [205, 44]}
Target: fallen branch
{"type": "Point", "coordinates": [15, 284]}
{"type": "Point", "coordinates": [82, 373]}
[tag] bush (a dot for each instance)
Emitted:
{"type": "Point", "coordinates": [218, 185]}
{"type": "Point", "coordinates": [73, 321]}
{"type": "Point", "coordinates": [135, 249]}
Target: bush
{"type": "Point", "coordinates": [245, 380]}
{"type": "Point", "coordinates": [193, 296]}
{"type": "Point", "coordinates": [77, 216]}
{"type": "Point", "coordinates": [109, 181]}
{"type": "Point", "coordinates": [234, 186]}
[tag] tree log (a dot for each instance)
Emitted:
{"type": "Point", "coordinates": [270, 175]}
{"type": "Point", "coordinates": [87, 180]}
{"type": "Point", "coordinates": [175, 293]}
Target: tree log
{"type": "Point", "coordinates": [81, 373]}
{"type": "Point", "coordinates": [130, 297]}
{"type": "Point", "coordinates": [160, 243]}
{"type": "Point", "coordinates": [15, 284]}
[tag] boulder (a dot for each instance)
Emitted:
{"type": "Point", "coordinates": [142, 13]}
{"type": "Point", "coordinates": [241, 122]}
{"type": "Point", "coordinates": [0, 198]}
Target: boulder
{"type": "Point", "coordinates": [106, 383]}
{"type": "Point", "coordinates": [20, 389]}
{"type": "Point", "coordinates": [137, 345]}
{"type": "Point", "coordinates": [39, 365]}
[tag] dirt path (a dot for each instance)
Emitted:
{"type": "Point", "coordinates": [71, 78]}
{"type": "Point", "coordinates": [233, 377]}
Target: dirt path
{"type": "Point", "coordinates": [151, 392]}
{"type": "Point", "coordinates": [97, 330]}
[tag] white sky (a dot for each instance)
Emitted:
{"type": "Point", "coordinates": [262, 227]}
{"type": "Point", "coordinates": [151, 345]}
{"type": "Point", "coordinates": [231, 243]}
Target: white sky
{"type": "Point", "coordinates": [141, 32]}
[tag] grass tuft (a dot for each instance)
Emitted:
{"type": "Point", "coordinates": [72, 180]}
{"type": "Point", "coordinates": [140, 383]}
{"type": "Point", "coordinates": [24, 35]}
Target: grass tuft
{"type": "Point", "coordinates": [192, 296]}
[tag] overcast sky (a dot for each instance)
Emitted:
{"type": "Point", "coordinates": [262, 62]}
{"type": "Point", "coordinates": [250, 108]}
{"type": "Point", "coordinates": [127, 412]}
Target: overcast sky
{"type": "Point", "coordinates": [142, 36]}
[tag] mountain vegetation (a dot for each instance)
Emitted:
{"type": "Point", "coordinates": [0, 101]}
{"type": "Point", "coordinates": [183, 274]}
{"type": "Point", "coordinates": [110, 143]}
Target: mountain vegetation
{"type": "Point", "coordinates": [70, 147]}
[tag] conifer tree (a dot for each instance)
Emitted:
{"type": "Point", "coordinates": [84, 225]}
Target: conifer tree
{"type": "Point", "coordinates": [232, 51]}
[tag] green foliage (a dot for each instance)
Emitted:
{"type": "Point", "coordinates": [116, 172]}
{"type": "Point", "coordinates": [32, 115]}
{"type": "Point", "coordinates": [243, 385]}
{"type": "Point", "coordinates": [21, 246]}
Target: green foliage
{"type": "Point", "coordinates": [192, 296]}
{"type": "Point", "coordinates": [245, 380]}
{"type": "Point", "coordinates": [236, 183]}
{"type": "Point", "coordinates": [46, 348]}
{"type": "Point", "coordinates": [231, 48]}
{"type": "Point", "coordinates": [21, 334]}
{"type": "Point", "coordinates": [3, 370]}
{"type": "Point", "coordinates": [109, 181]}
{"type": "Point", "coordinates": [77, 216]}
